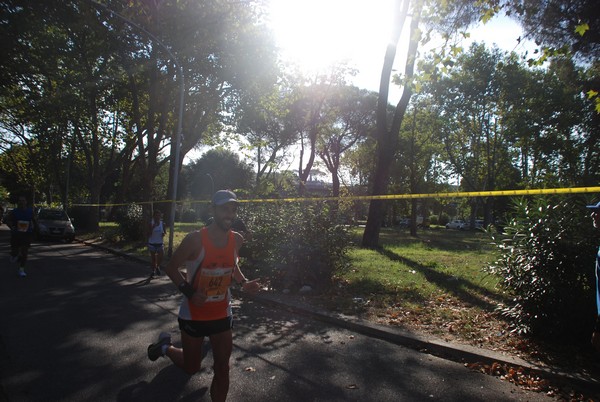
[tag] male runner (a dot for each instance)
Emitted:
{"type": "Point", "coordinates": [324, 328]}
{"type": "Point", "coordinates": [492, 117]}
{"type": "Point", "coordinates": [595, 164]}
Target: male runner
{"type": "Point", "coordinates": [155, 232]}
{"type": "Point", "coordinates": [21, 233]}
{"type": "Point", "coordinates": [210, 258]}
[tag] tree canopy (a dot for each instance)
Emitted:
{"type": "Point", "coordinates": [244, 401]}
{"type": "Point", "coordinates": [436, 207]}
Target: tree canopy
{"type": "Point", "coordinates": [89, 105]}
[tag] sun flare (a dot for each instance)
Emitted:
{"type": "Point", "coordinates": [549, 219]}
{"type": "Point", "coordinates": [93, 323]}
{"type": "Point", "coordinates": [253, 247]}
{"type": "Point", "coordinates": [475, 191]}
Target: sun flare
{"type": "Point", "coordinates": [315, 34]}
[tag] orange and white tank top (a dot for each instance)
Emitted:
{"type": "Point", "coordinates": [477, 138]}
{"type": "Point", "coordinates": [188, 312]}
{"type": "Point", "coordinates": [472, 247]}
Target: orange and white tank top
{"type": "Point", "coordinates": [212, 270]}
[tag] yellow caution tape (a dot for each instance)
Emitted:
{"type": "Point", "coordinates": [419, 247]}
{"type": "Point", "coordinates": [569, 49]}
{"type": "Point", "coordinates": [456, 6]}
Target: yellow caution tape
{"type": "Point", "coordinates": [125, 203]}
{"type": "Point", "coordinates": [495, 193]}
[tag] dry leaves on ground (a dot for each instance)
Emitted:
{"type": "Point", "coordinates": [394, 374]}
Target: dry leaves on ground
{"type": "Point", "coordinates": [529, 380]}
{"type": "Point", "coordinates": [455, 321]}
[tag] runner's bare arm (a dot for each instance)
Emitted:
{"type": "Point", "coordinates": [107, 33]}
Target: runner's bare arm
{"type": "Point", "coordinates": [189, 248]}
{"type": "Point", "coordinates": [237, 274]}
{"type": "Point", "coordinates": [249, 286]}
{"type": "Point", "coordinates": [149, 228]}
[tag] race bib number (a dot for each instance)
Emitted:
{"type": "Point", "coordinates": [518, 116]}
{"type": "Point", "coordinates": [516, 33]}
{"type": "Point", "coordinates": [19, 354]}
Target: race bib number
{"type": "Point", "coordinates": [22, 226]}
{"type": "Point", "coordinates": [216, 282]}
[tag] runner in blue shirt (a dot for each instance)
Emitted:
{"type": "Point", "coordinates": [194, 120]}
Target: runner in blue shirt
{"type": "Point", "coordinates": [21, 233]}
{"type": "Point", "coordinates": [596, 220]}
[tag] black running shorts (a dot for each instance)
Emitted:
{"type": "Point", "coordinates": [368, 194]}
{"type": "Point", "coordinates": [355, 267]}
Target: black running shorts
{"type": "Point", "coordinates": [201, 329]}
{"type": "Point", "coordinates": [18, 239]}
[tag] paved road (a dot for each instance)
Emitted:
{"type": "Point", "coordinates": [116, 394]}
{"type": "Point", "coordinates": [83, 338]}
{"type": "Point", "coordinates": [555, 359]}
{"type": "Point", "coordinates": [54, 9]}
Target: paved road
{"type": "Point", "coordinates": [77, 328]}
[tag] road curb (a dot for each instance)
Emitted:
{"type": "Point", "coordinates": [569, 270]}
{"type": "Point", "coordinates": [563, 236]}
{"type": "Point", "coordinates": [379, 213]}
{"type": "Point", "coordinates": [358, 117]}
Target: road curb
{"type": "Point", "coordinates": [427, 344]}
{"type": "Point", "coordinates": [113, 251]}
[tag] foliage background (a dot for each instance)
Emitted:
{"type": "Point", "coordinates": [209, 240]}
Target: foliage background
{"type": "Point", "coordinates": [297, 244]}
{"type": "Point", "coordinates": [548, 249]}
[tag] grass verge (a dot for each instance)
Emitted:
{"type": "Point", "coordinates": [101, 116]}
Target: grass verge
{"type": "Point", "coordinates": [434, 281]}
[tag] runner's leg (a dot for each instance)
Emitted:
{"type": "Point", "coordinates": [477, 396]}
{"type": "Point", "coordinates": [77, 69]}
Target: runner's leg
{"type": "Point", "coordinates": [153, 260]}
{"type": "Point", "coordinates": [189, 357]}
{"type": "Point", "coordinates": [158, 257]}
{"type": "Point", "coordinates": [222, 344]}
{"type": "Point", "coordinates": [24, 250]}
{"type": "Point", "coordinates": [22, 255]}
{"type": "Point", "coordinates": [152, 252]}
{"type": "Point", "coordinates": [14, 245]}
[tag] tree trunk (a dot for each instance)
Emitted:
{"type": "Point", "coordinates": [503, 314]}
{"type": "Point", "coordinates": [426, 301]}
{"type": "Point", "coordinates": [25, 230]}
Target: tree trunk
{"type": "Point", "coordinates": [335, 185]}
{"type": "Point", "coordinates": [387, 139]}
{"type": "Point", "coordinates": [172, 170]}
{"type": "Point", "coordinates": [413, 217]}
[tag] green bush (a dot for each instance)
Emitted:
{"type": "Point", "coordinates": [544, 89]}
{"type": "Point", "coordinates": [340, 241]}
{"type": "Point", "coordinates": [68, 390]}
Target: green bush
{"type": "Point", "coordinates": [189, 216]}
{"type": "Point", "coordinates": [297, 244]}
{"type": "Point", "coordinates": [131, 222]}
{"type": "Point", "coordinates": [433, 220]}
{"type": "Point", "coordinates": [547, 253]}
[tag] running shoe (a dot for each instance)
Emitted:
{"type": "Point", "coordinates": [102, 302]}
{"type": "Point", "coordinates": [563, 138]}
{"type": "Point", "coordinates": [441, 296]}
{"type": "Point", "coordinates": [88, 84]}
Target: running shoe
{"type": "Point", "coordinates": [157, 272]}
{"type": "Point", "coordinates": [22, 273]}
{"type": "Point", "coordinates": [156, 349]}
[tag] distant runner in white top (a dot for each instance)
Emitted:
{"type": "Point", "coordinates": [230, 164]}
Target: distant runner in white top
{"type": "Point", "coordinates": [155, 233]}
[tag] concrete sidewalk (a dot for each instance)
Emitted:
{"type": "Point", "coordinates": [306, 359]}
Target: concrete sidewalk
{"type": "Point", "coordinates": [298, 304]}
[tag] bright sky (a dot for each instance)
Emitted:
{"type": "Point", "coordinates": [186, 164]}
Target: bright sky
{"type": "Point", "coordinates": [316, 33]}
{"type": "Point", "coordinates": [313, 34]}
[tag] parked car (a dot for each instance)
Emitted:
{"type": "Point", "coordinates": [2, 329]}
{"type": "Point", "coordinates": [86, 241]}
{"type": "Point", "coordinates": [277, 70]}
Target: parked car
{"type": "Point", "coordinates": [405, 222]}
{"type": "Point", "coordinates": [4, 218]}
{"type": "Point", "coordinates": [457, 224]}
{"type": "Point", "coordinates": [54, 223]}
{"type": "Point", "coordinates": [478, 225]}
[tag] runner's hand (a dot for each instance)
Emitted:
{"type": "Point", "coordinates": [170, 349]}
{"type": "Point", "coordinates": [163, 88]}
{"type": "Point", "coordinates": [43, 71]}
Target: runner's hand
{"type": "Point", "coordinates": [199, 297]}
{"type": "Point", "coordinates": [252, 286]}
